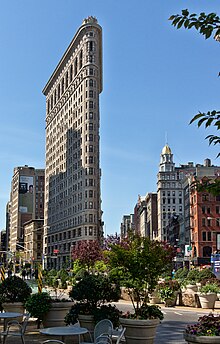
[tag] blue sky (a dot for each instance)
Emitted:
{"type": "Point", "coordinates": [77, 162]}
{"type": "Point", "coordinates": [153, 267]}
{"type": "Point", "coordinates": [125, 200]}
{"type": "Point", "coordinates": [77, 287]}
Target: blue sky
{"type": "Point", "coordinates": [155, 79]}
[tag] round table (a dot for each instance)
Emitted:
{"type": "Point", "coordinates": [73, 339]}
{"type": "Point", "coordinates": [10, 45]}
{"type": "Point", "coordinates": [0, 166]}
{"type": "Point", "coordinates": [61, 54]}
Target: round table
{"type": "Point", "coordinates": [9, 315]}
{"type": "Point", "coordinates": [64, 331]}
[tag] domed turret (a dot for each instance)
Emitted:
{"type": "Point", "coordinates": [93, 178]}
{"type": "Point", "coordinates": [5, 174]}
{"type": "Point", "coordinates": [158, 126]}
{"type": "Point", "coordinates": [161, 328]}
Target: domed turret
{"type": "Point", "coordinates": [166, 160]}
{"type": "Point", "coordinates": [166, 150]}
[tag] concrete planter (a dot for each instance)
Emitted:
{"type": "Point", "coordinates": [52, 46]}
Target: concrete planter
{"type": "Point", "coordinates": [191, 339]}
{"type": "Point", "coordinates": [139, 331]}
{"type": "Point", "coordinates": [207, 300]}
{"type": "Point", "coordinates": [55, 316]}
{"type": "Point", "coordinates": [16, 307]}
{"type": "Point", "coordinates": [191, 288]}
{"type": "Point", "coordinates": [88, 322]}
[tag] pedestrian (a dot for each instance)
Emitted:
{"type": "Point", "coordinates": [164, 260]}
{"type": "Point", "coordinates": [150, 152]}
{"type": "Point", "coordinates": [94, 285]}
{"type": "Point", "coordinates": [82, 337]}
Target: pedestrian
{"type": "Point", "coordinates": [23, 274]}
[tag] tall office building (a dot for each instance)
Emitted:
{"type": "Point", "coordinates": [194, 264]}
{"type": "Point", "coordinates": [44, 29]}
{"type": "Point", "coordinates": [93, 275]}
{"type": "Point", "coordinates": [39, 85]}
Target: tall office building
{"type": "Point", "coordinates": [72, 201]}
{"type": "Point", "coordinates": [26, 202]}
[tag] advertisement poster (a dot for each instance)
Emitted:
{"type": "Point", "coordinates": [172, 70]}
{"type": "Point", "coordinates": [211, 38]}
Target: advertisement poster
{"type": "Point", "coordinates": [26, 185]}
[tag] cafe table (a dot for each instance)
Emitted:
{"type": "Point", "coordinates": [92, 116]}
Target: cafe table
{"type": "Point", "coordinates": [64, 331]}
{"type": "Point", "coordinates": [9, 315]}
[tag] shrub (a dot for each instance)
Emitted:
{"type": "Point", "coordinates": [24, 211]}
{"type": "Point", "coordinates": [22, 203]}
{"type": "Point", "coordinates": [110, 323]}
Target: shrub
{"type": "Point", "coordinates": [14, 289]}
{"type": "Point", "coordinates": [181, 274]}
{"type": "Point", "coordinates": [193, 275]}
{"type": "Point", "coordinates": [205, 274]}
{"type": "Point", "coordinates": [209, 288]}
{"type": "Point", "coordinates": [38, 305]}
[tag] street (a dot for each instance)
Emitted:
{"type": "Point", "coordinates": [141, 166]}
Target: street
{"type": "Point", "coordinates": [175, 320]}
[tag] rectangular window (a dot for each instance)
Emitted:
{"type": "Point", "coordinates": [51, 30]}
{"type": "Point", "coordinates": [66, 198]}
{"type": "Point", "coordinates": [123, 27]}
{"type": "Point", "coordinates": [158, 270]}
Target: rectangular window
{"type": "Point", "coordinates": [217, 209]}
{"type": "Point", "coordinates": [203, 210]}
{"type": "Point", "coordinates": [209, 236]}
{"type": "Point", "coordinates": [203, 221]}
{"type": "Point", "coordinates": [203, 236]}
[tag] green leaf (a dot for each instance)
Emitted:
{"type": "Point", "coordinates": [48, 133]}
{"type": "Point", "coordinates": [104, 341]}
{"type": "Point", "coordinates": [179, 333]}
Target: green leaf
{"type": "Point", "coordinates": [180, 24]}
{"type": "Point", "coordinates": [201, 121]}
{"type": "Point", "coordinates": [199, 115]}
{"type": "Point", "coordinates": [209, 122]}
{"type": "Point", "coordinates": [172, 17]}
{"type": "Point", "coordinates": [185, 12]}
{"type": "Point", "coordinates": [186, 23]}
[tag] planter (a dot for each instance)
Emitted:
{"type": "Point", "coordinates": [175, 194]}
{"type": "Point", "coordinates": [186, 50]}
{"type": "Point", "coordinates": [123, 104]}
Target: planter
{"type": "Point", "coordinates": [16, 307]}
{"type": "Point", "coordinates": [154, 300]}
{"type": "Point", "coordinates": [171, 302]}
{"type": "Point", "coordinates": [88, 322]}
{"type": "Point", "coordinates": [139, 331]}
{"type": "Point", "coordinates": [207, 300]}
{"type": "Point", "coordinates": [191, 288]}
{"type": "Point", "coordinates": [57, 313]}
{"type": "Point", "coordinates": [190, 339]}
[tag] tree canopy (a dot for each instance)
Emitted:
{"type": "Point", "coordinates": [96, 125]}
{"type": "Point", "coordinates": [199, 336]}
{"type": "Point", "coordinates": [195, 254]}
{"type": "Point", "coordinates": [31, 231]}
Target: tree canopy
{"type": "Point", "coordinates": [207, 25]}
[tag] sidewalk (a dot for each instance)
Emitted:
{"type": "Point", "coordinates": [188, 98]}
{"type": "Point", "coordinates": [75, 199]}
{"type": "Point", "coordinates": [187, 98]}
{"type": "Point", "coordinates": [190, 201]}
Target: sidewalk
{"type": "Point", "coordinates": [33, 335]}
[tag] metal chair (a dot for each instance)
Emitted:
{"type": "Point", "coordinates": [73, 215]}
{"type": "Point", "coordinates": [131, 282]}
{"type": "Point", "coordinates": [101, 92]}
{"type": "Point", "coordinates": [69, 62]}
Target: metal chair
{"type": "Point", "coordinates": [103, 339]}
{"type": "Point", "coordinates": [19, 328]}
{"type": "Point", "coordinates": [52, 341]}
{"type": "Point", "coordinates": [121, 335]}
{"type": "Point", "coordinates": [102, 328]}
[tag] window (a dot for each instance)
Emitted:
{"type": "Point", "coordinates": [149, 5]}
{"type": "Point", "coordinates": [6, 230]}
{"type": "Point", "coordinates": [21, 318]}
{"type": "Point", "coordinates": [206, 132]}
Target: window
{"type": "Point", "coordinates": [217, 210]}
{"type": "Point", "coordinates": [71, 73]}
{"type": "Point", "coordinates": [203, 236]}
{"type": "Point", "coordinates": [208, 222]}
{"type": "Point", "coordinates": [205, 197]}
{"type": "Point", "coordinates": [75, 66]}
{"type": "Point", "coordinates": [209, 236]}
{"type": "Point", "coordinates": [203, 221]}
{"type": "Point", "coordinates": [80, 59]}
{"type": "Point", "coordinates": [91, 82]}
{"type": "Point", "coordinates": [62, 86]}
{"type": "Point", "coordinates": [218, 222]}
{"type": "Point", "coordinates": [203, 210]}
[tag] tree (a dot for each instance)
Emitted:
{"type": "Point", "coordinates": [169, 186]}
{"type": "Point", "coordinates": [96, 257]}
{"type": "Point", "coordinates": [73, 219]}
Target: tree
{"type": "Point", "coordinates": [207, 25]}
{"type": "Point", "coordinates": [87, 253]}
{"type": "Point", "coordinates": [137, 263]}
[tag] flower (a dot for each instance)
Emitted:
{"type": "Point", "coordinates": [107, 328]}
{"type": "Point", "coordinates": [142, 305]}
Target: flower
{"type": "Point", "coordinates": [208, 325]}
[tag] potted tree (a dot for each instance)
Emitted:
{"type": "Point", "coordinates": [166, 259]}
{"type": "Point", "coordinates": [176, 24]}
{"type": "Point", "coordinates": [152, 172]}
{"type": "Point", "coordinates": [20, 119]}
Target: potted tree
{"type": "Point", "coordinates": [137, 263]}
{"type": "Point", "coordinates": [13, 294]}
{"type": "Point", "coordinates": [91, 294]}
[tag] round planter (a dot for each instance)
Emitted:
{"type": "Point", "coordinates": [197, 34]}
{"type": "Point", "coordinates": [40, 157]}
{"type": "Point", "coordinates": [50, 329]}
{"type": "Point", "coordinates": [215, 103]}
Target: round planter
{"type": "Point", "coordinates": [207, 300]}
{"type": "Point", "coordinates": [17, 307]}
{"type": "Point", "coordinates": [139, 331]}
{"type": "Point", "coordinates": [88, 322]}
{"type": "Point", "coordinates": [190, 339]}
{"type": "Point", "coordinates": [57, 313]}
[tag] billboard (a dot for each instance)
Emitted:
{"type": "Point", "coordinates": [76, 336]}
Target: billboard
{"type": "Point", "coordinates": [26, 188]}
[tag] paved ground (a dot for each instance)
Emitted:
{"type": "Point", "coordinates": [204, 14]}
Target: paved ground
{"type": "Point", "coordinates": [33, 336]}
